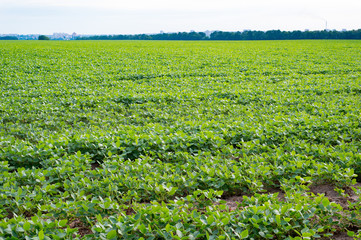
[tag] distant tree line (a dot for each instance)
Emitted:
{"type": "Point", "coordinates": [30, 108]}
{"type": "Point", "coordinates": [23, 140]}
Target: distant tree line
{"type": "Point", "coordinates": [219, 35]}
{"type": "Point", "coordinates": [285, 35]}
{"type": "Point", "coordinates": [8, 38]}
{"type": "Point", "coordinates": [245, 35]}
{"type": "Point", "coordinates": [161, 36]}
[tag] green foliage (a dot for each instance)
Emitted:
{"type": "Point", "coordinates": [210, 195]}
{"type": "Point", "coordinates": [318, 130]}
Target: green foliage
{"type": "Point", "coordinates": [43, 37]}
{"type": "Point", "coordinates": [35, 228]}
{"type": "Point", "coordinates": [142, 140]}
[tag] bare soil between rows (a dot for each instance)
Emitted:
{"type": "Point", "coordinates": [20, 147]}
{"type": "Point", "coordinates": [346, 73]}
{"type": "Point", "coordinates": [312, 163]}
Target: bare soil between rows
{"type": "Point", "coordinates": [232, 202]}
{"type": "Point", "coordinates": [327, 189]}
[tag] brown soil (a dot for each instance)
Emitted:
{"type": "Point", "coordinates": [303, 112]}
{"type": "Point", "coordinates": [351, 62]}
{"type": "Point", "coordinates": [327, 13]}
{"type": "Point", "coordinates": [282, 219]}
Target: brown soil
{"type": "Point", "coordinates": [10, 215]}
{"type": "Point", "coordinates": [82, 228]}
{"type": "Point", "coordinates": [95, 165]}
{"type": "Point", "coordinates": [129, 211]}
{"type": "Point", "coordinates": [232, 202]}
{"type": "Point", "coordinates": [327, 189]}
{"type": "Point", "coordinates": [333, 196]}
{"type": "Point", "coordinates": [341, 236]}
{"type": "Point", "coordinates": [26, 214]}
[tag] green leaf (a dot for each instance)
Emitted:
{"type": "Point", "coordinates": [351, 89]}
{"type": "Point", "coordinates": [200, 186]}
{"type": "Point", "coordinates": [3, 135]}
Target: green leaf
{"type": "Point", "coordinates": [26, 226]}
{"type": "Point", "coordinates": [142, 228]}
{"type": "Point", "coordinates": [325, 202]}
{"type": "Point", "coordinates": [225, 220]}
{"type": "Point", "coordinates": [244, 234]}
{"type": "Point", "coordinates": [179, 225]}
{"type": "Point", "coordinates": [287, 219]}
{"type": "Point", "coordinates": [203, 220]}
{"type": "Point", "coordinates": [179, 233]}
{"type": "Point", "coordinates": [172, 191]}
{"type": "Point", "coordinates": [168, 227]}
{"type": "Point", "coordinates": [112, 234]}
{"type": "Point", "coordinates": [62, 223]}
{"type": "Point", "coordinates": [210, 220]}
{"type": "Point", "coordinates": [307, 234]}
{"type": "Point", "coordinates": [278, 219]}
{"type": "Point", "coordinates": [41, 235]}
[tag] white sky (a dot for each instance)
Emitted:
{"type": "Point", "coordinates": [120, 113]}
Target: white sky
{"type": "Point", "coordinates": [152, 16]}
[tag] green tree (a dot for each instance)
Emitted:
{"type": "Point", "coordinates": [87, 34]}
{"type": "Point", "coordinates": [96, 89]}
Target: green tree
{"type": "Point", "coordinates": [43, 37]}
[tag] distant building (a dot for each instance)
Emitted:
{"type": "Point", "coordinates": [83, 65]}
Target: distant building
{"type": "Point", "coordinates": [208, 33]}
{"type": "Point", "coordinates": [61, 36]}
{"type": "Point", "coordinates": [10, 35]}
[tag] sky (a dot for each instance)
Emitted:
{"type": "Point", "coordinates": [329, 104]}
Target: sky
{"type": "Point", "coordinates": [153, 16]}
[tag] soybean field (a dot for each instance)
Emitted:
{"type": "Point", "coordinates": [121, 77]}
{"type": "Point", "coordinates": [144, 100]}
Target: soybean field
{"type": "Point", "coordinates": [180, 139]}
